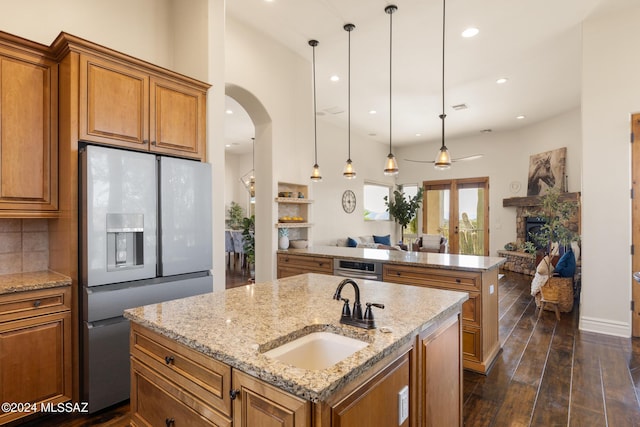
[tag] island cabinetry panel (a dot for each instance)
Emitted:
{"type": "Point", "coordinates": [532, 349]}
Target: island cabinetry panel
{"type": "Point", "coordinates": [196, 380]}
{"type": "Point", "coordinates": [480, 341]}
{"type": "Point", "coordinates": [376, 402]}
{"type": "Point", "coordinates": [28, 130]}
{"type": "Point", "coordinates": [291, 265]}
{"type": "Point", "coordinates": [257, 403]}
{"type": "Point", "coordinates": [35, 345]}
{"type": "Point", "coordinates": [441, 376]}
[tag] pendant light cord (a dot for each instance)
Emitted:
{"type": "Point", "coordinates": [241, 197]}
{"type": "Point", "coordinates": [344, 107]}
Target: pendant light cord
{"type": "Point", "coordinates": [315, 115]}
{"type": "Point", "coordinates": [443, 115]}
{"type": "Point", "coordinates": [349, 28]}
{"type": "Point", "coordinates": [390, 72]}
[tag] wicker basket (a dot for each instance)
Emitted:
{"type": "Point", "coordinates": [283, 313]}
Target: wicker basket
{"type": "Point", "coordinates": [560, 289]}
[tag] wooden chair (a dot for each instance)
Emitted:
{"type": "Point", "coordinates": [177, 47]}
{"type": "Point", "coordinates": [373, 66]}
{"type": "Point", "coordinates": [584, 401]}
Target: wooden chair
{"type": "Point", "coordinates": [549, 294]}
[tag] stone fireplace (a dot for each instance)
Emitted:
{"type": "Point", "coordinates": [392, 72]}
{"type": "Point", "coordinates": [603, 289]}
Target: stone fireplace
{"type": "Point", "coordinates": [527, 209]}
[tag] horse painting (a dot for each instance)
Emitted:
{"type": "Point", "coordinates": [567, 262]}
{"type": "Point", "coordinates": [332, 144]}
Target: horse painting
{"type": "Point", "coordinates": [546, 170]}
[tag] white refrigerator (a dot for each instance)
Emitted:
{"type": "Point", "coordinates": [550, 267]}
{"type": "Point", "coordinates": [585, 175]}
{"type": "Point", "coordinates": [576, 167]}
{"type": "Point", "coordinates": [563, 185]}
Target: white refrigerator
{"type": "Point", "coordinates": [145, 238]}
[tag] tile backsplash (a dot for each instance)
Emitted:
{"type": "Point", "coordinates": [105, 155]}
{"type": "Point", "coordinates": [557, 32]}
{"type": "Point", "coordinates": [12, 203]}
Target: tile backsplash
{"type": "Point", "coordinates": [24, 245]}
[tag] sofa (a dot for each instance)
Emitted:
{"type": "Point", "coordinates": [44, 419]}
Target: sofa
{"type": "Point", "coordinates": [426, 243]}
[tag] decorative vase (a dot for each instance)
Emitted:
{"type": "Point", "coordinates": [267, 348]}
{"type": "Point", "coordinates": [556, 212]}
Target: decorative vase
{"type": "Point", "coordinates": [283, 242]}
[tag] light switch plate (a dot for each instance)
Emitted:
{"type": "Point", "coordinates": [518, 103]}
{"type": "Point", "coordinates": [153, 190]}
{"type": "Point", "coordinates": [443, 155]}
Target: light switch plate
{"type": "Point", "coordinates": [403, 405]}
{"type": "Point", "coordinates": [491, 289]}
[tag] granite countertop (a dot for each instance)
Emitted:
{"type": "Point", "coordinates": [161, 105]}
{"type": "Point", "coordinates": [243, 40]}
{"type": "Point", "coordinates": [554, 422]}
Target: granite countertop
{"type": "Point", "coordinates": [424, 259]}
{"type": "Point", "coordinates": [21, 282]}
{"type": "Point", "coordinates": [237, 325]}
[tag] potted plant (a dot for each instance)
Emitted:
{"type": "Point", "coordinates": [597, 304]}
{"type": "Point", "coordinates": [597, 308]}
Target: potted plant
{"type": "Point", "coordinates": [557, 214]}
{"type": "Point", "coordinates": [235, 213]}
{"type": "Point", "coordinates": [402, 208]}
{"type": "Point", "coordinates": [249, 243]}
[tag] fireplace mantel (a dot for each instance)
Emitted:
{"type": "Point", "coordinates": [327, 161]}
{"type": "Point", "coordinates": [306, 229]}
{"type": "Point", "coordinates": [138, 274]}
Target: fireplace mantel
{"type": "Point", "coordinates": [536, 201]}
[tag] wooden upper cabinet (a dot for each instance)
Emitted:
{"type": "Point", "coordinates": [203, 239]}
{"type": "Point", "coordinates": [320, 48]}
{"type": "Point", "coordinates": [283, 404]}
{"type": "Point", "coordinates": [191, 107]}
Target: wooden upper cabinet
{"type": "Point", "coordinates": [113, 104]}
{"type": "Point", "coordinates": [129, 103]}
{"type": "Point", "coordinates": [28, 130]}
{"type": "Point", "coordinates": [178, 116]}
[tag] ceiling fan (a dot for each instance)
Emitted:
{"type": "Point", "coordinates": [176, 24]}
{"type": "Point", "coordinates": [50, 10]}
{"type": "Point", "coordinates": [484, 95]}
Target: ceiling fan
{"type": "Point", "coordinates": [461, 159]}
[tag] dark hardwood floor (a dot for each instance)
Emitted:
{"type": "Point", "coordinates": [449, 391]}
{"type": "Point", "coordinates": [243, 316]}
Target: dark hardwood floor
{"type": "Point", "coordinates": [548, 373]}
{"type": "Point", "coordinates": [551, 374]}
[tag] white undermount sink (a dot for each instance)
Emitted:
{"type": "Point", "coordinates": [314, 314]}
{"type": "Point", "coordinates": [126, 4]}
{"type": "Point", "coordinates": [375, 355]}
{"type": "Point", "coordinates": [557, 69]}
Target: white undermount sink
{"type": "Point", "coordinates": [317, 350]}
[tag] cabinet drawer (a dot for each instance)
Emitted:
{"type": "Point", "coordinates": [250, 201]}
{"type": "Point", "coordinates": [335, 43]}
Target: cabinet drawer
{"type": "Point", "coordinates": [471, 314]}
{"type": "Point", "coordinates": [447, 279]}
{"type": "Point", "coordinates": [202, 376]}
{"type": "Point", "coordinates": [471, 343]}
{"type": "Point", "coordinates": [34, 303]}
{"type": "Point", "coordinates": [157, 402]}
{"type": "Point", "coordinates": [306, 263]}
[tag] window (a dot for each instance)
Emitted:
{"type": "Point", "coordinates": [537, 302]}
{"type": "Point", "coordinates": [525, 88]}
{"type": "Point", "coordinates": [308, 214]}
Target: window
{"type": "Point", "coordinates": [374, 207]}
{"type": "Point", "coordinates": [411, 190]}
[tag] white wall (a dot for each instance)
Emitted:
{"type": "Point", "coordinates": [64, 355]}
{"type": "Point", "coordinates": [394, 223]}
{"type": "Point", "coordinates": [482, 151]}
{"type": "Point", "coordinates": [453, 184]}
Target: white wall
{"type": "Point", "coordinates": [137, 28]}
{"type": "Point", "coordinates": [236, 165]}
{"type": "Point", "coordinates": [279, 80]}
{"type": "Point", "coordinates": [610, 93]}
{"type": "Point", "coordinates": [331, 222]}
{"type": "Point", "coordinates": [506, 160]}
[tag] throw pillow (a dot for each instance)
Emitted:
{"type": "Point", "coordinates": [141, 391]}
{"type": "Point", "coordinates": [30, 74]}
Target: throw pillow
{"type": "Point", "coordinates": [566, 267]}
{"type": "Point", "coordinates": [385, 240]}
{"type": "Point", "coordinates": [351, 242]}
{"type": "Point", "coordinates": [366, 239]}
{"type": "Point", "coordinates": [545, 267]}
{"type": "Point", "coordinates": [431, 241]}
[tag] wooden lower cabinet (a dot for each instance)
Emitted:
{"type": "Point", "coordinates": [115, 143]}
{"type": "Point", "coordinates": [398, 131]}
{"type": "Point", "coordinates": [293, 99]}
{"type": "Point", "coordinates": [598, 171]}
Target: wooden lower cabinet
{"type": "Point", "coordinates": [480, 334]}
{"type": "Point", "coordinates": [258, 404]}
{"type": "Point", "coordinates": [441, 381]}
{"type": "Point", "coordinates": [291, 265]}
{"type": "Point", "coordinates": [428, 368]}
{"type": "Point", "coordinates": [376, 402]}
{"type": "Point", "coordinates": [35, 349]}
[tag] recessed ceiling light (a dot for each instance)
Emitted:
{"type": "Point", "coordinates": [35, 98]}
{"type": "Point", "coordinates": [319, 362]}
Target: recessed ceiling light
{"type": "Point", "coordinates": [520, 117]}
{"type": "Point", "coordinates": [372, 134]}
{"type": "Point", "coordinates": [372, 111]}
{"type": "Point", "coordinates": [229, 112]}
{"type": "Point", "coordinates": [486, 130]}
{"type": "Point", "coordinates": [227, 145]}
{"type": "Point", "coordinates": [459, 107]}
{"type": "Point", "coordinates": [502, 80]}
{"type": "Point", "coordinates": [334, 78]}
{"type": "Point", "coordinates": [470, 32]}
{"type": "Point", "coordinates": [418, 134]}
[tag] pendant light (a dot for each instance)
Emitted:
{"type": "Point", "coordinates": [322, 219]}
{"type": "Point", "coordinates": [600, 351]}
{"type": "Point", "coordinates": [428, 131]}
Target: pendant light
{"type": "Point", "coordinates": [391, 165]}
{"type": "Point", "coordinates": [249, 179]}
{"type": "Point", "coordinates": [315, 175]}
{"type": "Point", "coordinates": [443, 159]}
{"type": "Point", "coordinates": [349, 172]}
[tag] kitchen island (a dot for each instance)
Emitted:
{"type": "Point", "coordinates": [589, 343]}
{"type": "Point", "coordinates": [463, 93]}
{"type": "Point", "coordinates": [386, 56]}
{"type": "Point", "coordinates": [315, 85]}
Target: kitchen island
{"type": "Point", "coordinates": [477, 275]}
{"type": "Point", "coordinates": [203, 359]}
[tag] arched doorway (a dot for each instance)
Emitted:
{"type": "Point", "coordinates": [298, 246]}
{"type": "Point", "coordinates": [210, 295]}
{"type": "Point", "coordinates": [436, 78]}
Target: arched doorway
{"type": "Point", "coordinates": [264, 188]}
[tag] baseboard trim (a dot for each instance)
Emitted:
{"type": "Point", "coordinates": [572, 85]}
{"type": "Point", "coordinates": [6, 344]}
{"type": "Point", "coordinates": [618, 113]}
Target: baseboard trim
{"type": "Point", "coordinates": [603, 326]}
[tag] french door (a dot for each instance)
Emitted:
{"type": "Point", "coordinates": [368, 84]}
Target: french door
{"type": "Point", "coordinates": [458, 209]}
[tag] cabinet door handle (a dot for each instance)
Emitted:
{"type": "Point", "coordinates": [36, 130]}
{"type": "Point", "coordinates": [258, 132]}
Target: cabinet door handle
{"type": "Point", "coordinates": [234, 393]}
{"type": "Point", "coordinates": [458, 281]}
{"type": "Point", "coordinates": [169, 360]}
{"type": "Point", "coordinates": [153, 143]}
{"type": "Point", "coordinates": [170, 422]}
{"type": "Point", "coordinates": [397, 273]}
{"type": "Point", "coordinates": [37, 303]}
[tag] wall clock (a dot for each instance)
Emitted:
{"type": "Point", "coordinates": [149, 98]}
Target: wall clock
{"type": "Point", "coordinates": [348, 201]}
